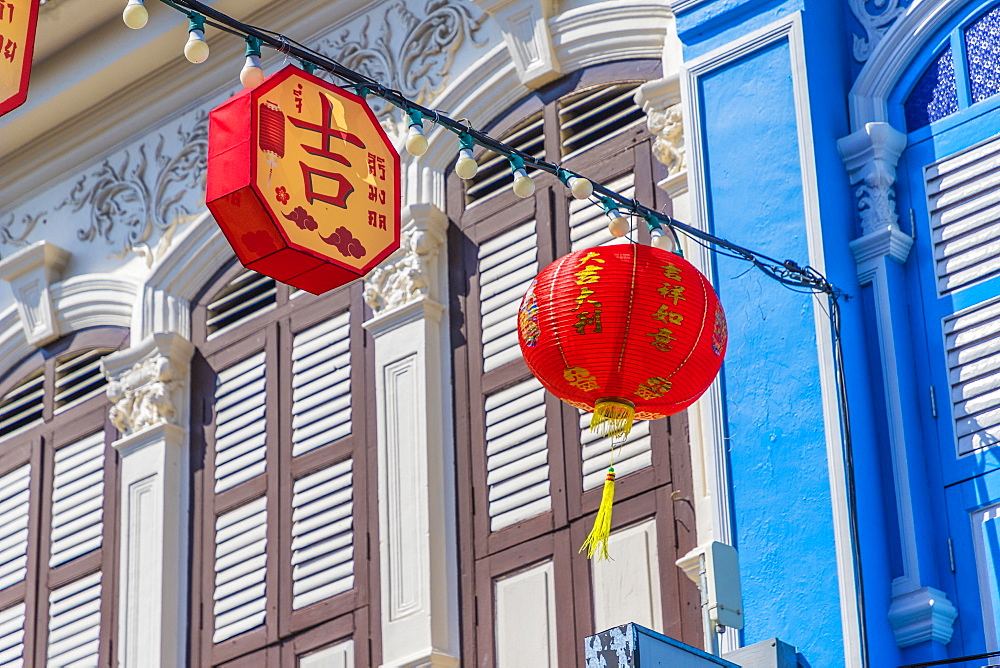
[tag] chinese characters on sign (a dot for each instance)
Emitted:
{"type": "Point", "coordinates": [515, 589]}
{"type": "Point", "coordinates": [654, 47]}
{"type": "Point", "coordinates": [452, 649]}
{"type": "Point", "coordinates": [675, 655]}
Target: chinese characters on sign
{"type": "Point", "coordinates": [17, 40]}
{"type": "Point", "coordinates": [322, 184]}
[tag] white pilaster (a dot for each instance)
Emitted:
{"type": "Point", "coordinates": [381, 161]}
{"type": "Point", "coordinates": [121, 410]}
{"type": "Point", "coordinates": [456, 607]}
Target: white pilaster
{"type": "Point", "coordinates": [918, 613]}
{"type": "Point", "coordinates": [149, 390]}
{"type": "Point", "coordinates": [31, 273]}
{"type": "Point", "coordinates": [415, 452]}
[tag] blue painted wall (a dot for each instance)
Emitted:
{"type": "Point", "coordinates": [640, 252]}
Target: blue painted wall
{"type": "Point", "coordinates": [779, 457]}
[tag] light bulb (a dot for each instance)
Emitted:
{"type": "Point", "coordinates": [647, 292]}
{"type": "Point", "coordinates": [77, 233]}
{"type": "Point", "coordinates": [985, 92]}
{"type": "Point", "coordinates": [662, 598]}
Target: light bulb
{"type": "Point", "coordinates": [580, 187]}
{"type": "Point", "coordinates": [524, 186]}
{"type": "Point", "coordinates": [618, 226]}
{"type": "Point", "coordinates": [663, 241]}
{"type": "Point", "coordinates": [196, 49]}
{"type": "Point", "coordinates": [135, 14]}
{"type": "Point", "coordinates": [252, 75]}
{"type": "Point", "coordinates": [416, 142]}
{"type": "Point", "coordinates": [466, 167]}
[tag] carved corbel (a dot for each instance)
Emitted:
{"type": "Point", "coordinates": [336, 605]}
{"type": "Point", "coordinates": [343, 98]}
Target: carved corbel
{"type": "Point", "coordinates": [661, 102]}
{"type": "Point", "coordinates": [410, 273]}
{"type": "Point", "coordinates": [871, 155]}
{"type": "Point", "coordinates": [145, 383]}
{"type": "Point", "coordinates": [31, 273]}
{"type": "Point", "coordinates": [525, 27]}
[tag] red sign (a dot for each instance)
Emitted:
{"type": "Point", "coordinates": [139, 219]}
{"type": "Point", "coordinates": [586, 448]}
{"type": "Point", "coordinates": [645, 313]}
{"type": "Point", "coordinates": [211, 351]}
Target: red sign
{"type": "Point", "coordinates": [17, 42]}
{"type": "Point", "coordinates": [303, 181]}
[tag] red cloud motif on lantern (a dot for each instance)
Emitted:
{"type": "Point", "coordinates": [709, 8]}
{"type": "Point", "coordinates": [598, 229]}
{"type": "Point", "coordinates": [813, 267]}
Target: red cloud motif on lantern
{"type": "Point", "coordinates": [345, 242]}
{"type": "Point", "coordinates": [301, 217]}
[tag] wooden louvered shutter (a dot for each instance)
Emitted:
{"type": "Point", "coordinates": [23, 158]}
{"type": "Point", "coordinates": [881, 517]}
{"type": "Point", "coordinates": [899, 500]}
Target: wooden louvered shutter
{"type": "Point", "coordinates": [14, 509]}
{"type": "Point", "coordinates": [283, 528]}
{"type": "Point", "coordinates": [77, 499]}
{"type": "Point", "coordinates": [75, 623]}
{"type": "Point", "coordinates": [530, 472]}
{"type": "Point", "coordinates": [12, 636]}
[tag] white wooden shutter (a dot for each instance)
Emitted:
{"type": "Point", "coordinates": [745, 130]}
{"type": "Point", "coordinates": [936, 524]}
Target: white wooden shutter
{"type": "Point", "coordinates": [321, 384]}
{"type": "Point", "coordinates": [12, 636]}
{"type": "Point", "coordinates": [517, 454]}
{"type": "Point", "coordinates": [75, 623]}
{"type": "Point", "coordinates": [588, 224]}
{"type": "Point", "coordinates": [78, 499]}
{"type": "Point", "coordinates": [594, 116]}
{"type": "Point", "coordinates": [634, 454]}
{"type": "Point", "coordinates": [22, 406]}
{"type": "Point", "coordinates": [972, 340]}
{"type": "Point", "coordinates": [14, 526]}
{"type": "Point", "coordinates": [240, 422]}
{"type": "Point", "coordinates": [963, 193]}
{"type": "Point", "coordinates": [79, 377]}
{"type": "Point", "coordinates": [507, 265]}
{"type": "Point", "coordinates": [322, 535]}
{"type": "Point", "coordinates": [246, 296]}
{"type": "Point", "coordinates": [240, 568]}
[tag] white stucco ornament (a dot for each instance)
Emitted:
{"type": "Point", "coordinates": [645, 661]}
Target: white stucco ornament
{"type": "Point", "coordinates": [142, 396]}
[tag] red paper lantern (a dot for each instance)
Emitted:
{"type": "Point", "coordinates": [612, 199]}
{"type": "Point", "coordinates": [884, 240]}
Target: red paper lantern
{"type": "Point", "coordinates": [624, 331]}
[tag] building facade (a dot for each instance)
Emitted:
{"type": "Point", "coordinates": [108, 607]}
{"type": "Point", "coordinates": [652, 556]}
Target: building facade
{"type": "Point", "coordinates": [201, 466]}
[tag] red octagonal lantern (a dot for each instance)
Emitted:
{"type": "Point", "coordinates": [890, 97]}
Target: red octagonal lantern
{"type": "Point", "coordinates": [623, 331]}
{"type": "Point", "coordinates": [303, 181]}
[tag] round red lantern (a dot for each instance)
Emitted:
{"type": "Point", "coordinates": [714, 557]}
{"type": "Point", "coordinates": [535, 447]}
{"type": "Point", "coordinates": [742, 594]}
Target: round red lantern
{"type": "Point", "coordinates": [625, 331]}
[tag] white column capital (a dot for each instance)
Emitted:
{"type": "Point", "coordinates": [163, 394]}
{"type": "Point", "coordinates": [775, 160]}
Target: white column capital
{"type": "Point", "coordinates": [871, 155]}
{"type": "Point", "coordinates": [660, 99]}
{"type": "Point", "coordinates": [525, 27]}
{"type": "Point", "coordinates": [921, 615]}
{"type": "Point", "coordinates": [410, 274]}
{"type": "Point", "coordinates": [31, 273]}
{"type": "Point", "coordinates": [146, 380]}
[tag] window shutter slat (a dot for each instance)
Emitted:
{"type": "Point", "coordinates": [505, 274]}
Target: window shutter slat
{"type": "Point", "coordinates": [588, 225]}
{"type": "Point", "coordinates": [240, 423]}
{"type": "Point", "coordinates": [634, 454]}
{"type": "Point", "coordinates": [595, 116]}
{"type": "Point", "coordinates": [12, 636]}
{"type": "Point", "coordinates": [972, 340]}
{"type": "Point", "coordinates": [321, 384]}
{"type": "Point", "coordinates": [75, 622]}
{"type": "Point", "coordinates": [22, 406]}
{"type": "Point", "coordinates": [14, 525]}
{"type": "Point", "coordinates": [964, 201]}
{"type": "Point", "coordinates": [78, 499]}
{"type": "Point", "coordinates": [240, 569]}
{"type": "Point", "coordinates": [323, 534]}
{"type": "Point", "coordinates": [507, 265]}
{"type": "Point", "coordinates": [518, 487]}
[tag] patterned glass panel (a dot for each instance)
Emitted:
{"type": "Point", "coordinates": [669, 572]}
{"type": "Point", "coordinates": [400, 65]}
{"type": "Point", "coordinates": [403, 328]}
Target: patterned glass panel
{"type": "Point", "coordinates": [982, 51]}
{"type": "Point", "coordinates": [935, 95]}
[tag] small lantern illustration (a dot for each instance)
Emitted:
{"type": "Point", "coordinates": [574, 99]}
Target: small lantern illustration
{"type": "Point", "coordinates": [625, 332]}
{"type": "Point", "coordinates": [271, 135]}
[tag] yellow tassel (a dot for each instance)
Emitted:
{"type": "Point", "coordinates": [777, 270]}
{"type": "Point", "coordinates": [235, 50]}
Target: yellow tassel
{"type": "Point", "coordinates": [597, 541]}
{"type": "Point", "coordinates": [612, 417]}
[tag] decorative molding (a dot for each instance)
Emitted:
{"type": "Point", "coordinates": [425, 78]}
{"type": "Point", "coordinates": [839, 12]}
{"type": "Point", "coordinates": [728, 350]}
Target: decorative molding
{"type": "Point", "coordinates": [409, 273]}
{"type": "Point", "coordinates": [15, 229]}
{"type": "Point", "coordinates": [870, 249]}
{"type": "Point", "coordinates": [145, 382]}
{"type": "Point", "coordinates": [871, 155]}
{"type": "Point", "coordinates": [137, 206]}
{"type": "Point", "coordinates": [416, 60]}
{"type": "Point", "coordinates": [31, 273]}
{"type": "Point", "coordinates": [525, 27]}
{"type": "Point", "coordinates": [893, 54]}
{"type": "Point", "coordinates": [921, 615]}
{"type": "Point", "coordinates": [661, 102]}
{"type": "Point", "coordinates": [875, 17]}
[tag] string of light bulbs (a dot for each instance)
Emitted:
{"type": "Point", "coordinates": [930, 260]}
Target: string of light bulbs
{"type": "Point", "coordinates": [196, 50]}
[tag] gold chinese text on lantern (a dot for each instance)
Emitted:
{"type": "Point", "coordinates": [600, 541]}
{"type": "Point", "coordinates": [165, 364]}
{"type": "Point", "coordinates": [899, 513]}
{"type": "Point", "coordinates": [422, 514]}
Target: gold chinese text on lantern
{"type": "Point", "coordinates": [322, 170]}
